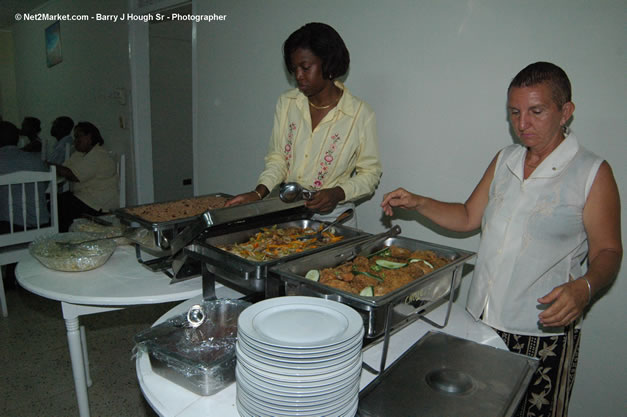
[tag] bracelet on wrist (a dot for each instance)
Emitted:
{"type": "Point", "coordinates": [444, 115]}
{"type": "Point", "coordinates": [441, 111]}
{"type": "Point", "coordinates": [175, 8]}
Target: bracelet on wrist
{"type": "Point", "coordinates": [261, 198]}
{"type": "Point", "coordinates": [589, 289]}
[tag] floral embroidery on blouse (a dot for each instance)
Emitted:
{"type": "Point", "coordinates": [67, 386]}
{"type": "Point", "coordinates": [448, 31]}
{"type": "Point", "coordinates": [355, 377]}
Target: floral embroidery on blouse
{"type": "Point", "coordinates": [326, 162]}
{"type": "Point", "coordinates": [288, 146]}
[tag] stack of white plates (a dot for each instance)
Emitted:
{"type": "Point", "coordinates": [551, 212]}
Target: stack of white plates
{"type": "Point", "coordinates": [298, 356]}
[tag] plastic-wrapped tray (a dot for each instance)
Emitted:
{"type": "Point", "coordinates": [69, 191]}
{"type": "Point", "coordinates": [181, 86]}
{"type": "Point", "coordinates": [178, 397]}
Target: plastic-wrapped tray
{"type": "Point", "coordinates": [78, 258]}
{"type": "Point", "coordinates": [101, 230]}
{"type": "Point", "coordinates": [200, 359]}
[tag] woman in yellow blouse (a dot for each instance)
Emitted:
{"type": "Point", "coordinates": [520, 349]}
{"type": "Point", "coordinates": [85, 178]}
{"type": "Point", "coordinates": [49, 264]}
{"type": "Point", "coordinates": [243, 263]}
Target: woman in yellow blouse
{"type": "Point", "coordinates": [93, 177]}
{"type": "Point", "coordinates": [323, 137]}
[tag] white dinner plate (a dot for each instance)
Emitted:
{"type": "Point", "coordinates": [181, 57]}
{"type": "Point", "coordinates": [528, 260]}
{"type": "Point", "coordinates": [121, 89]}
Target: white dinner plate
{"type": "Point", "coordinates": [331, 408]}
{"type": "Point", "coordinates": [302, 355]}
{"type": "Point", "coordinates": [277, 361]}
{"type": "Point", "coordinates": [281, 398]}
{"type": "Point", "coordinates": [302, 381]}
{"type": "Point", "coordinates": [300, 322]}
{"type": "Point", "coordinates": [297, 372]}
{"type": "Point", "coordinates": [296, 387]}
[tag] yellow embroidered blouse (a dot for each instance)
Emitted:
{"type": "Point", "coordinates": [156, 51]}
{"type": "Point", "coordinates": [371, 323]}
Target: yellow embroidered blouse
{"type": "Point", "coordinates": [341, 151]}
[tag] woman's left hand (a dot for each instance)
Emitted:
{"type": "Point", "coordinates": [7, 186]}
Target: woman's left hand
{"type": "Point", "coordinates": [567, 303]}
{"type": "Point", "coordinates": [324, 201]}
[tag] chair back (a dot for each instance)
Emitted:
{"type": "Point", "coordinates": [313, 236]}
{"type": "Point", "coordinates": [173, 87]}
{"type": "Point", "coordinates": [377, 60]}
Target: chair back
{"type": "Point", "coordinates": [22, 197]}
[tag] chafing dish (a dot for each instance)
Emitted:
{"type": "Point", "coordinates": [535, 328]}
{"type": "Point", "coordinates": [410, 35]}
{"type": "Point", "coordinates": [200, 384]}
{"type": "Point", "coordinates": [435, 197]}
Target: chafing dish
{"type": "Point", "coordinates": [162, 232]}
{"type": "Point", "coordinates": [248, 275]}
{"type": "Point", "coordinates": [443, 375]}
{"type": "Point", "coordinates": [380, 313]}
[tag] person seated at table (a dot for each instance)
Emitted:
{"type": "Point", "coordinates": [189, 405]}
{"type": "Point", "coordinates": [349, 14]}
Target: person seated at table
{"type": "Point", "coordinates": [31, 126]}
{"type": "Point", "coordinates": [549, 213]}
{"type": "Point", "coordinates": [13, 159]}
{"type": "Point", "coordinates": [61, 129]}
{"type": "Point", "coordinates": [323, 137]}
{"type": "Point", "coordinates": [93, 178]}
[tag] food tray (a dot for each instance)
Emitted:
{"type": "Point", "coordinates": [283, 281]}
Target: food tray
{"type": "Point", "coordinates": [83, 257]}
{"type": "Point", "coordinates": [403, 304]}
{"type": "Point", "coordinates": [162, 232]}
{"type": "Point", "coordinates": [200, 359]}
{"type": "Point", "coordinates": [248, 275]}
{"type": "Point", "coordinates": [114, 229]}
{"type": "Point", "coordinates": [444, 375]}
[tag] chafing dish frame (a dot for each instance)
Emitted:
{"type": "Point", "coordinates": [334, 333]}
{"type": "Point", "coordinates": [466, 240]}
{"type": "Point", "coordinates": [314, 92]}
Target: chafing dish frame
{"type": "Point", "coordinates": [245, 275]}
{"type": "Point", "coordinates": [163, 232]}
{"type": "Point", "coordinates": [381, 314]}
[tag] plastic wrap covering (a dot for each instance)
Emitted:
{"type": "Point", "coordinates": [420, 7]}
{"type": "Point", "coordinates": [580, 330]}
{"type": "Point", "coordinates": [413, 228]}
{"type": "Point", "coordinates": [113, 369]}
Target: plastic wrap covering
{"type": "Point", "coordinates": [88, 226]}
{"type": "Point", "coordinates": [198, 355]}
{"type": "Point", "coordinates": [75, 258]}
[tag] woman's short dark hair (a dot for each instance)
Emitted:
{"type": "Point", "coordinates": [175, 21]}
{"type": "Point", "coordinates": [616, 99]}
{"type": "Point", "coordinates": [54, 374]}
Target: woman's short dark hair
{"type": "Point", "coordinates": [325, 43]}
{"type": "Point", "coordinates": [545, 72]}
{"type": "Point", "coordinates": [89, 129]}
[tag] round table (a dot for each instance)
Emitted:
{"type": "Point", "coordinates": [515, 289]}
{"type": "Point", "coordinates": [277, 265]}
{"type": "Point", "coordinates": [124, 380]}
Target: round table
{"type": "Point", "coordinates": [171, 400]}
{"type": "Point", "coordinates": [119, 283]}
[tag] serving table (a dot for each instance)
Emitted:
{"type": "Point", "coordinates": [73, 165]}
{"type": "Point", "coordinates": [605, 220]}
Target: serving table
{"type": "Point", "coordinates": [170, 400]}
{"type": "Point", "coordinates": [121, 282]}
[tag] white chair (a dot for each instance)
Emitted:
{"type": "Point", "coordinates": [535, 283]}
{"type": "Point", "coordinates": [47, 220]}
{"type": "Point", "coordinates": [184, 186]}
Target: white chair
{"type": "Point", "coordinates": [14, 245]}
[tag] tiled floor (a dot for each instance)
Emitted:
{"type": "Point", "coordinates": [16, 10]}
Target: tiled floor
{"type": "Point", "coordinates": [35, 371]}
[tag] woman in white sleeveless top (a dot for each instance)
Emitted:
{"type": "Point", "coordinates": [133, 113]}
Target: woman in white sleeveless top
{"type": "Point", "coordinates": [549, 213]}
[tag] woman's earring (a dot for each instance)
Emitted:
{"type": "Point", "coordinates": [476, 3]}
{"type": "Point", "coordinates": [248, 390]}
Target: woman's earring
{"type": "Point", "coordinates": [566, 130]}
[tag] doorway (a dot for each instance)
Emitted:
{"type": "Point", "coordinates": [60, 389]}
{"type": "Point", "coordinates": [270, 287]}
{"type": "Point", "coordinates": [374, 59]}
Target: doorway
{"type": "Point", "coordinates": [170, 44]}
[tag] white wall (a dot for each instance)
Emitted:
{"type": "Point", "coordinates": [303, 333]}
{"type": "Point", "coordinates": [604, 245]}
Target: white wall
{"type": "Point", "coordinates": [436, 73]}
{"type": "Point", "coordinates": [95, 64]}
{"type": "Point", "coordinates": [8, 96]}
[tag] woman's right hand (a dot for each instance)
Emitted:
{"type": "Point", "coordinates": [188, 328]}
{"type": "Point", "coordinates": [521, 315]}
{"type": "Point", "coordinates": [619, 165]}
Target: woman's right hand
{"type": "Point", "coordinates": [400, 198]}
{"type": "Point", "coordinates": [248, 197]}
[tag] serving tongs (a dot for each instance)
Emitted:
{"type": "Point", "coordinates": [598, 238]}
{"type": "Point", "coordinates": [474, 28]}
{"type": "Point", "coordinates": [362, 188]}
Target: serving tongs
{"type": "Point", "coordinates": [71, 245]}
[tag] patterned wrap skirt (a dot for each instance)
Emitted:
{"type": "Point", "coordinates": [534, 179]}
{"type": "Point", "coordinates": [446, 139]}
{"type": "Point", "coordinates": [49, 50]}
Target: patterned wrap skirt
{"type": "Point", "coordinates": [550, 387]}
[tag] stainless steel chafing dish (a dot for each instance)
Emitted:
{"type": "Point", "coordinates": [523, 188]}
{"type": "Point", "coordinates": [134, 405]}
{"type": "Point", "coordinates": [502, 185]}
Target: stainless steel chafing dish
{"type": "Point", "coordinates": [162, 232]}
{"type": "Point", "coordinates": [381, 313]}
{"type": "Point", "coordinates": [248, 275]}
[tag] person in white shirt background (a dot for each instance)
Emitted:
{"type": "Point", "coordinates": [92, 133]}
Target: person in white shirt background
{"type": "Point", "coordinates": [61, 129]}
{"type": "Point", "coordinates": [549, 213]}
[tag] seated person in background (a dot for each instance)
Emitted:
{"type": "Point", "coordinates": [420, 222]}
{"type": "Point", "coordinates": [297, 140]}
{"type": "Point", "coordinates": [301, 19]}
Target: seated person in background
{"type": "Point", "coordinates": [62, 130]}
{"type": "Point", "coordinates": [13, 159]}
{"type": "Point", "coordinates": [31, 126]}
{"type": "Point", "coordinates": [93, 178]}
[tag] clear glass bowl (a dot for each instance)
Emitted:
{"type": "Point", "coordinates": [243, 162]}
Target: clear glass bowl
{"type": "Point", "coordinates": [77, 258]}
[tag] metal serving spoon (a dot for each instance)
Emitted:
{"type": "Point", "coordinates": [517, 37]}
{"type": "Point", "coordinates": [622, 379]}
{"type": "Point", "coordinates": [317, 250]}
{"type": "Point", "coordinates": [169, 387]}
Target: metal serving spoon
{"type": "Point", "coordinates": [292, 191]}
{"type": "Point", "coordinates": [340, 219]}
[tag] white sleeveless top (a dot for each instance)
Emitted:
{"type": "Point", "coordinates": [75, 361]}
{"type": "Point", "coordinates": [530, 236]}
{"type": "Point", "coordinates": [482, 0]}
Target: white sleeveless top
{"type": "Point", "coordinates": [532, 236]}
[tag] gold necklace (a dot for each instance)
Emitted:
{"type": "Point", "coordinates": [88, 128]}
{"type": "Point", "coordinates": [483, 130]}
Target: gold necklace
{"type": "Point", "coordinates": [328, 105]}
{"type": "Point", "coordinates": [321, 107]}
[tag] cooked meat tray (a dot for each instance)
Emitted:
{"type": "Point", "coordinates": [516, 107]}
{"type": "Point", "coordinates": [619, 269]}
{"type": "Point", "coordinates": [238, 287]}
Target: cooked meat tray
{"type": "Point", "coordinates": [249, 275]}
{"type": "Point", "coordinates": [402, 304]}
{"type": "Point", "coordinates": [164, 231]}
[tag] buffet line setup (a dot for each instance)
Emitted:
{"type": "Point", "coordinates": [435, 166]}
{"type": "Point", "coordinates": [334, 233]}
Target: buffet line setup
{"type": "Point", "coordinates": [274, 250]}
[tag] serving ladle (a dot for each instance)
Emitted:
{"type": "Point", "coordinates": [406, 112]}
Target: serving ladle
{"type": "Point", "coordinates": [340, 219]}
{"type": "Point", "coordinates": [292, 191]}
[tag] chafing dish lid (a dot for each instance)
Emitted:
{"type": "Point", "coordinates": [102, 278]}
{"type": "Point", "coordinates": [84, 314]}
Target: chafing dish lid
{"type": "Point", "coordinates": [229, 215]}
{"type": "Point", "coordinates": [444, 375]}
